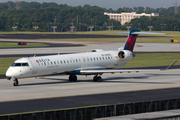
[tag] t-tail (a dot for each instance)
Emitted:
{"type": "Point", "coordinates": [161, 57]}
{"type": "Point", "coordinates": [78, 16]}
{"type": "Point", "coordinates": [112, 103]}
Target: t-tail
{"type": "Point", "coordinates": [131, 39]}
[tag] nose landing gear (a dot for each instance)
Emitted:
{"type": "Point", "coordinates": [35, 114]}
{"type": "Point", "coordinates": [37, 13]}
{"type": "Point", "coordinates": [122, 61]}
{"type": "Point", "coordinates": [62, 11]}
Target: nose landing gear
{"type": "Point", "coordinates": [16, 83]}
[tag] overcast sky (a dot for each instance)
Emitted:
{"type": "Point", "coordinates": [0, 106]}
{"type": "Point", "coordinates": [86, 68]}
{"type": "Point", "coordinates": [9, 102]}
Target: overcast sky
{"type": "Point", "coordinates": [114, 4]}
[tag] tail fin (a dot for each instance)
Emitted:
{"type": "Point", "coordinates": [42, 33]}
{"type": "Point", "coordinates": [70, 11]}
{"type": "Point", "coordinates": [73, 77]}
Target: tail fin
{"type": "Point", "coordinates": [131, 39]}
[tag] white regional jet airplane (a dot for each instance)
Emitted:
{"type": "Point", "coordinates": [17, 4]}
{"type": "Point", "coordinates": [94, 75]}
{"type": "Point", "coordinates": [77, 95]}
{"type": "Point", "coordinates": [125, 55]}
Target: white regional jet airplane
{"type": "Point", "coordinates": [89, 63]}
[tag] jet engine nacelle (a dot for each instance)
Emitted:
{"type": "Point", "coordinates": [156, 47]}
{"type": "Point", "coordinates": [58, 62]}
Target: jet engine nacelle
{"type": "Point", "coordinates": [125, 55]}
{"type": "Point", "coordinates": [97, 50]}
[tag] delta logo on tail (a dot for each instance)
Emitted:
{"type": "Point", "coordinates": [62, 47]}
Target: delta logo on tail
{"type": "Point", "coordinates": [131, 40]}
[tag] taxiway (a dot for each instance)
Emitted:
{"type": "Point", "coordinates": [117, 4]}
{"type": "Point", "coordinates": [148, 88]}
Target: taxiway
{"type": "Point", "coordinates": [58, 87]}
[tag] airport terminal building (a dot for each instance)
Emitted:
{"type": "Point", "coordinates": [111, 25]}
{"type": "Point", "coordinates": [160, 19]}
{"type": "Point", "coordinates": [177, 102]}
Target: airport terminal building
{"type": "Point", "coordinates": [127, 16]}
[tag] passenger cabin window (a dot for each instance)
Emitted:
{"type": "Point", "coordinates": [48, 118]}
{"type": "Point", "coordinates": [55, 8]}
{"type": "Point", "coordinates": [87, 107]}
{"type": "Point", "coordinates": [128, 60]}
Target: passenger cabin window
{"type": "Point", "coordinates": [20, 64]}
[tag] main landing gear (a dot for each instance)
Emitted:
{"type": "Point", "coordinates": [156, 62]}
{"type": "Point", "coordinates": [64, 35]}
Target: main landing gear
{"type": "Point", "coordinates": [72, 78]}
{"type": "Point", "coordinates": [97, 78]}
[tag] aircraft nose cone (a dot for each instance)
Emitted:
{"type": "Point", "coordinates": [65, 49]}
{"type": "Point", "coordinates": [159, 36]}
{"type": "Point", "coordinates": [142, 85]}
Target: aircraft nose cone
{"type": "Point", "coordinates": [8, 73]}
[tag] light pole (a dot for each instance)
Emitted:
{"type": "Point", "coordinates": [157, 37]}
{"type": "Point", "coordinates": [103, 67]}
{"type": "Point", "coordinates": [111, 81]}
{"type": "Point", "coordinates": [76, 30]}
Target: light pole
{"type": "Point", "coordinates": [14, 27]}
{"type": "Point", "coordinates": [50, 27]}
{"type": "Point", "coordinates": [150, 27]}
{"type": "Point", "coordinates": [80, 26]}
{"type": "Point", "coordinates": [163, 27]}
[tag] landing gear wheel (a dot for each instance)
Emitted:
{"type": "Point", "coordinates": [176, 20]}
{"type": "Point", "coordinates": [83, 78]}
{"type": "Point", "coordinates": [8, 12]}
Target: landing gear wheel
{"type": "Point", "coordinates": [72, 78]}
{"type": "Point", "coordinates": [16, 82]}
{"type": "Point", "coordinates": [97, 78]}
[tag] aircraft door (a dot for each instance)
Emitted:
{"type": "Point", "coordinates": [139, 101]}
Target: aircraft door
{"type": "Point", "coordinates": [33, 65]}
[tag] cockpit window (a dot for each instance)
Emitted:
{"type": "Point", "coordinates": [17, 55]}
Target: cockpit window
{"type": "Point", "coordinates": [25, 64]}
{"type": "Point", "coordinates": [17, 64]}
{"type": "Point", "coordinates": [13, 64]}
{"type": "Point", "coordinates": [20, 64]}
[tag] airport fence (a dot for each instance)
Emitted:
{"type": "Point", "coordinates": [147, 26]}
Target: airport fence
{"type": "Point", "coordinates": [89, 113]}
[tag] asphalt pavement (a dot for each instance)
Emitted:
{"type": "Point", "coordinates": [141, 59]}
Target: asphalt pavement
{"type": "Point", "coordinates": [88, 100]}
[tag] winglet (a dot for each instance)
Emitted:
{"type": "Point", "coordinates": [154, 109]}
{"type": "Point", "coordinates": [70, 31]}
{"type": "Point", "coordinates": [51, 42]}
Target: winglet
{"type": "Point", "coordinates": [169, 66]}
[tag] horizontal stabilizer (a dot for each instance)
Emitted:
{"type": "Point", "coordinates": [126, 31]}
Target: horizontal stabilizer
{"type": "Point", "coordinates": [147, 33]}
{"type": "Point", "coordinates": [142, 33]}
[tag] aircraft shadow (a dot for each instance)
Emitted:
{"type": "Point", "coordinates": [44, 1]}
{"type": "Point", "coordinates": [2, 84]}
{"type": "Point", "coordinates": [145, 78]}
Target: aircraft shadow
{"type": "Point", "coordinates": [59, 81]}
{"type": "Point", "coordinates": [107, 79]}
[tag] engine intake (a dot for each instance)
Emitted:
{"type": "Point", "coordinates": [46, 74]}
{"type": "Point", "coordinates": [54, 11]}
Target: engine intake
{"type": "Point", "coordinates": [121, 54]}
{"type": "Point", "coordinates": [125, 55]}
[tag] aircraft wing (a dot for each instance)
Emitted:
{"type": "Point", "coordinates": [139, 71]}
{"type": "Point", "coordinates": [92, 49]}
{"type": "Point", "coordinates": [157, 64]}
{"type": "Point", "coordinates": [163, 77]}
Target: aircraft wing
{"type": "Point", "coordinates": [121, 70]}
{"type": "Point", "coordinates": [115, 71]}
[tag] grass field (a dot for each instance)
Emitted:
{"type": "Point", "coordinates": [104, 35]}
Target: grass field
{"type": "Point", "coordinates": [164, 39]}
{"type": "Point", "coordinates": [153, 59]}
{"type": "Point", "coordinates": [141, 60]}
{"type": "Point", "coordinates": [14, 45]}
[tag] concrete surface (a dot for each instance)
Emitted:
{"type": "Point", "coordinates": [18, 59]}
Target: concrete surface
{"type": "Point", "coordinates": [90, 45]}
{"type": "Point", "coordinates": [59, 86]}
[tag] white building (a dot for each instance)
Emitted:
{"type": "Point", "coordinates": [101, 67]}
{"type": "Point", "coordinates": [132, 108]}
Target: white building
{"type": "Point", "coordinates": [127, 17]}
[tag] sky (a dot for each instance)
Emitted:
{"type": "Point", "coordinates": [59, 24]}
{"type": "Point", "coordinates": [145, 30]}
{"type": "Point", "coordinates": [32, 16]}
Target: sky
{"type": "Point", "coordinates": [114, 4]}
